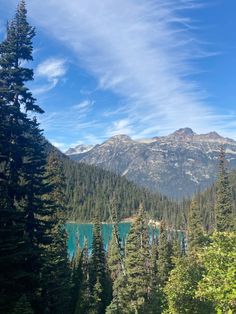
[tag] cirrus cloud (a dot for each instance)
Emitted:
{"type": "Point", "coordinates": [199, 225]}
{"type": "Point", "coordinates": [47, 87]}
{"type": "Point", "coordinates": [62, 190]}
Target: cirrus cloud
{"type": "Point", "coordinates": [51, 70]}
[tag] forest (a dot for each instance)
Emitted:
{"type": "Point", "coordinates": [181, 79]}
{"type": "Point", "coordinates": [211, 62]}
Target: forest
{"type": "Point", "coordinates": [192, 271]}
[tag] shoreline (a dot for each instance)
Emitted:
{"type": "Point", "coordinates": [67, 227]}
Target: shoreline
{"type": "Point", "coordinates": [151, 222]}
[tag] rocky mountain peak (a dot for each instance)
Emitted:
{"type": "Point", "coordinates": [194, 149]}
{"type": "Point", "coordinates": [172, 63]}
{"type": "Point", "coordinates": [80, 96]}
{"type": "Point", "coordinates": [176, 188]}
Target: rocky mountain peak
{"type": "Point", "coordinates": [182, 134]}
{"type": "Point", "coordinates": [120, 138]}
{"type": "Point", "coordinates": [213, 136]}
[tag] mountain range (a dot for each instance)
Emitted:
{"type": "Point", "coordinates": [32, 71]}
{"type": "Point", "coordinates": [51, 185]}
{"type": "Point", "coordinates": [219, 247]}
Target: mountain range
{"type": "Point", "coordinates": [177, 165]}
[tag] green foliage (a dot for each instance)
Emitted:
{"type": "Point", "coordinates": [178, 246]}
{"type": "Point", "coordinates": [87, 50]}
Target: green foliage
{"type": "Point", "coordinates": [196, 237]}
{"type": "Point", "coordinates": [21, 167]}
{"type": "Point", "coordinates": [165, 252]}
{"type": "Point", "coordinates": [137, 258]}
{"type": "Point", "coordinates": [117, 270]}
{"type": "Point", "coordinates": [218, 284]}
{"type": "Point", "coordinates": [55, 270]}
{"type": "Point", "coordinates": [99, 274]}
{"type": "Point", "coordinates": [23, 306]}
{"type": "Point", "coordinates": [165, 261]}
{"type": "Point", "coordinates": [224, 204]}
{"type": "Point", "coordinates": [181, 288]}
{"type": "Point", "coordinates": [82, 302]}
{"type": "Point", "coordinates": [154, 302]}
{"type": "Point", "coordinates": [28, 261]}
{"type": "Point", "coordinates": [115, 258]}
{"type": "Point", "coordinates": [91, 191]}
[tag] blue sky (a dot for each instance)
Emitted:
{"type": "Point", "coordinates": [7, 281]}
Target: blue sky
{"type": "Point", "coordinates": [138, 67]}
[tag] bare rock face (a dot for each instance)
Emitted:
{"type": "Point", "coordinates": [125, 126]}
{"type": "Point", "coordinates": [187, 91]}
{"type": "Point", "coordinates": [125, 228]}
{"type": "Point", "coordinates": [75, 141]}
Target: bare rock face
{"type": "Point", "coordinates": [176, 165]}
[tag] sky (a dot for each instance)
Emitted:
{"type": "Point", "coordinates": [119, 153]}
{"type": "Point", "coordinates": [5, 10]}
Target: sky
{"type": "Point", "coordinates": [143, 68]}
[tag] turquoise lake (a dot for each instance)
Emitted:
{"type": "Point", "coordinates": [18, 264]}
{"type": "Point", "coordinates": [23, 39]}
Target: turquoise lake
{"type": "Point", "coordinates": [78, 232]}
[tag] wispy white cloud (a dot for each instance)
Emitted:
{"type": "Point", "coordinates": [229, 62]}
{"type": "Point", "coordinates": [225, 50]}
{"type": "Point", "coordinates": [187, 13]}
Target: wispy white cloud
{"type": "Point", "coordinates": [123, 126]}
{"type": "Point", "coordinates": [142, 50]}
{"type": "Point", "coordinates": [84, 107]}
{"type": "Point", "coordinates": [52, 70]}
{"type": "Point", "coordinates": [65, 121]}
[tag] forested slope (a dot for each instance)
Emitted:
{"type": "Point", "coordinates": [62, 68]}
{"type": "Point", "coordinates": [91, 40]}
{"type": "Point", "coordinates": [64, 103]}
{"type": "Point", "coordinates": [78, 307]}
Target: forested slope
{"type": "Point", "coordinates": [91, 190]}
{"type": "Point", "coordinates": [207, 201]}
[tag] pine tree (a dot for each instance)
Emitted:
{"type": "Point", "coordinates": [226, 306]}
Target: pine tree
{"type": "Point", "coordinates": [137, 264]}
{"type": "Point", "coordinates": [99, 275]}
{"type": "Point", "coordinates": [224, 206]}
{"type": "Point", "coordinates": [26, 216]}
{"type": "Point", "coordinates": [117, 271]}
{"type": "Point", "coordinates": [76, 278]}
{"type": "Point", "coordinates": [196, 238]}
{"type": "Point", "coordinates": [154, 300]}
{"type": "Point", "coordinates": [23, 306]}
{"type": "Point", "coordinates": [164, 264]}
{"type": "Point", "coordinates": [97, 304]}
{"type": "Point", "coordinates": [15, 144]}
{"type": "Point", "coordinates": [177, 250]}
{"type": "Point", "coordinates": [55, 271]}
{"type": "Point", "coordinates": [82, 284]}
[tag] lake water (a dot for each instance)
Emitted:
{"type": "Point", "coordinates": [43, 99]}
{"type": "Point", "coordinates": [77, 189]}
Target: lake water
{"type": "Point", "coordinates": [78, 232]}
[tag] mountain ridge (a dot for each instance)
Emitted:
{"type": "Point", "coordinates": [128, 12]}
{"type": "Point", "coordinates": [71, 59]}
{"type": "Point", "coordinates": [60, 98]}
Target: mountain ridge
{"type": "Point", "coordinates": [177, 165]}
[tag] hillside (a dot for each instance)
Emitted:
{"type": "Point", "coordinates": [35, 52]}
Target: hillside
{"type": "Point", "coordinates": [90, 190]}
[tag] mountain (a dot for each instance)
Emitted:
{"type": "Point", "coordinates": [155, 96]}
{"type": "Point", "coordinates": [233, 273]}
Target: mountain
{"type": "Point", "coordinates": [176, 165]}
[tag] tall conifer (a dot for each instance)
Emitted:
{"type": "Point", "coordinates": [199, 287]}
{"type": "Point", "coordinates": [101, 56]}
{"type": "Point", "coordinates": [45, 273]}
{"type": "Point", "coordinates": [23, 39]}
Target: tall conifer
{"type": "Point", "coordinates": [164, 264]}
{"type": "Point", "coordinates": [99, 275]}
{"type": "Point", "coordinates": [55, 270]}
{"type": "Point", "coordinates": [224, 207]}
{"type": "Point", "coordinates": [196, 237]}
{"type": "Point", "coordinates": [117, 271]}
{"type": "Point", "coordinates": [15, 144]}
{"type": "Point", "coordinates": [137, 264]}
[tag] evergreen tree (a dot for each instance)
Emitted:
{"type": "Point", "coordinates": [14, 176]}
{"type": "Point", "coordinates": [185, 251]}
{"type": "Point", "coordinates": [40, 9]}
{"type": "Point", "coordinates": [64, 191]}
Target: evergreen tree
{"type": "Point", "coordinates": [177, 246]}
{"type": "Point", "coordinates": [196, 238]}
{"type": "Point", "coordinates": [16, 146]}
{"type": "Point", "coordinates": [76, 278]}
{"type": "Point", "coordinates": [224, 207]}
{"type": "Point", "coordinates": [117, 271]}
{"type": "Point", "coordinates": [164, 264]}
{"type": "Point", "coordinates": [115, 252]}
{"type": "Point", "coordinates": [99, 275]}
{"type": "Point", "coordinates": [23, 306]}
{"type": "Point", "coordinates": [55, 271]}
{"type": "Point", "coordinates": [154, 300]}
{"type": "Point", "coordinates": [137, 264]}
{"type": "Point", "coordinates": [82, 284]}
